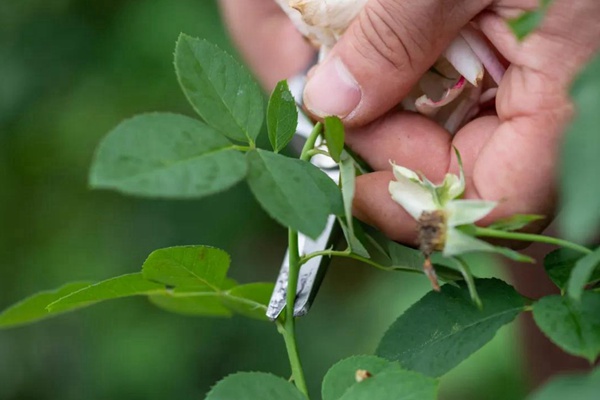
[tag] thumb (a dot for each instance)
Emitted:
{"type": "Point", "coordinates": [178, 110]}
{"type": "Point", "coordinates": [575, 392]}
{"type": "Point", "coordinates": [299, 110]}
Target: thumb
{"type": "Point", "coordinates": [384, 52]}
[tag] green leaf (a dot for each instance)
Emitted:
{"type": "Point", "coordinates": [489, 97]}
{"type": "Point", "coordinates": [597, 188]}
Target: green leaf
{"type": "Point", "coordinates": [294, 192]}
{"type": "Point", "coordinates": [348, 182]}
{"type": "Point", "coordinates": [583, 273]}
{"type": "Point", "coordinates": [394, 384]}
{"type": "Point", "coordinates": [203, 304]}
{"type": "Point", "coordinates": [386, 380]}
{"type": "Point", "coordinates": [342, 376]}
{"type": "Point", "coordinates": [352, 234]}
{"type": "Point", "coordinates": [254, 386]}
{"type": "Point", "coordinates": [573, 387]}
{"type": "Point", "coordinates": [282, 116]}
{"type": "Point", "coordinates": [442, 329]}
{"type": "Point", "coordinates": [334, 137]}
{"type": "Point", "coordinates": [249, 300]}
{"type": "Point", "coordinates": [572, 325]}
{"type": "Point", "coordinates": [33, 308]}
{"type": "Point", "coordinates": [401, 255]}
{"type": "Point", "coordinates": [114, 288]}
{"type": "Point", "coordinates": [469, 279]}
{"type": "Point", "coordinates": [559, 264]}
{"type": "Point", "coordinates": [529, 21]}
{"type": "Point", "coordinates": [580, 216]}
{"type": "Point", "coordinates": [198, 267]}
{"type": "Point", "coordinates": [219, 88]}
{"type": "Point", "coordinates": [166, 155]}
{"type": "Point", "coordinates": [515, 222]}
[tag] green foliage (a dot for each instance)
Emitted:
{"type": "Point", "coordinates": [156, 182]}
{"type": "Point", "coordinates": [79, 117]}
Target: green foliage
{"type": "Point", "coordinates": [115, 288]}
{"type": "Point", "coordinates": [198, 275]}
{"type": "Point", "coordinates": [249, 300]}
{"type": "Point", "coordinates": [220, 89]}
{"type": "Point", "coordinates": [580, 216]}
{"type": "Point", "coordinates": [515, 222]}
{"type": "Point", "coordinates": [442, 329]}
{"type": "Point", "coordinates": [529, 21]}
{"type": "Point", "coordinates": [254, 386]}
{"type": "Point", "coordinates": [559, 264]}
{"type": "Point", "coordinates": [189, 280]}
{"type": "Point", "coordinates": [334, 137]}
{"type": "Point", "coordinates": [186, 267]}
{"type": "Point", "coordinates": [586, 270]}
{"type": "Point", "coordinates": [387, 380]}
{"type": "Point", "coordinates": [166, 155]}
{"type": "Point", "coordinates": [33, 308]}
{"type": "Point", "coordinates": [199, 304]}
{"type": "Point", "coordinates": [573, 387]}
{"type": "Point", "coordinates": [293, 192]}
{"type": "Point", "coordinates": [282, 116]}
{"type": "Point", "coordinates": [572, 325]}
{"type": "Point", "coordinates": [348, 183]}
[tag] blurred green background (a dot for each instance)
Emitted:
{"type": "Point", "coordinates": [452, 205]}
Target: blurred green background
{"type": "Point", "coordinates": [70, 71]}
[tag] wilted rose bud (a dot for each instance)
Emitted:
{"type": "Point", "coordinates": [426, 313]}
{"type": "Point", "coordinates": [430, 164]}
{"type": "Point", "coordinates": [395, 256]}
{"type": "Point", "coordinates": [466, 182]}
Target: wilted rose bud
{"type": "Point", "coordinates": [322, 21]}
{"type": "Point", "coordinates": [451, 93]}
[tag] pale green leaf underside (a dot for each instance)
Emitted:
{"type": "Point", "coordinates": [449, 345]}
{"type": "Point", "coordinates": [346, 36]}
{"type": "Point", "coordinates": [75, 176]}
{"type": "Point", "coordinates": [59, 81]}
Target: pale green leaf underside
{"type": "Point", "coordinates": [249, 300]}
{"type": "Point", "coordinates": [168, 156]}
{"type": "Point", "coordinates": [348, 182]}
{"type": "Point", "coordinates": [442, 329]}
{"type": "Point", "coordinates": [219, 88]}
{"type": "Point", "coordinates": [580, 215]}
{"type": "Point", "coordinates": [582, 273]}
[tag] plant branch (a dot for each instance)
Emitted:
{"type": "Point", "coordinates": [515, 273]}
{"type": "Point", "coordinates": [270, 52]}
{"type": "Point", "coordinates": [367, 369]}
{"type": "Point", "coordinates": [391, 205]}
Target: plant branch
{"type": "Point", "coordinates": [310, 142]}
{"type": "Point", "coordinates": [349, 254]}
{"type": "Point", "coordinates": [529, 237]}
{"type": "Point", "coordinates": [288, 328]}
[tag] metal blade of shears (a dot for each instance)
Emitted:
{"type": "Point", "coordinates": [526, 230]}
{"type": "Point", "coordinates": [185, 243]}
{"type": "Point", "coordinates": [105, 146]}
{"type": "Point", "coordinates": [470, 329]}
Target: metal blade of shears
{"type": "Point", "coordinates": [313, 271]}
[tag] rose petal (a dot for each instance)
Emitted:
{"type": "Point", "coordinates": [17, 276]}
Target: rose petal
{"type": "Point", "coordinates": [401, 172]}
{"type": "Point", "coordinates": [466, 62]}
{"type": "Point", "coordinates": [458, 242]}
{"type": "Point", "coordinates": [484, 52]}
{"type": "Point", "coordinates": [462, 212]}
{"type": "Point", "coordinates": [429, 107]}
{"type": "Point", "coordinates": [413, 197]}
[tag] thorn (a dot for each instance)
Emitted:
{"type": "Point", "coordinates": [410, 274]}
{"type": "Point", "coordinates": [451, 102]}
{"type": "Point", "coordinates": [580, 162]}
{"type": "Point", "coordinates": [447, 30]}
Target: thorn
{"type": "Point", "coordinates": [430, 272]}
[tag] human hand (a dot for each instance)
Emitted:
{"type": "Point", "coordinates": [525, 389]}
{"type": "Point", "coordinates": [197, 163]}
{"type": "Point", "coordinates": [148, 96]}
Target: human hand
{"type": "Point", "coordinates": [509, 155]}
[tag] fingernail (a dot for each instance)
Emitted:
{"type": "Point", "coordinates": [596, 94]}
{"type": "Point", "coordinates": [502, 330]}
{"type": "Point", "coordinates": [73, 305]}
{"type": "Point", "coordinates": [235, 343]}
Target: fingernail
{"type": "Point", "coordinates": [332, 90]}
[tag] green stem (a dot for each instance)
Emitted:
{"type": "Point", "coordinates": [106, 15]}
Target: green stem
{"type": "Point", "coordinates": [314, 152]}
{"type": "Point", "coordinates": [529, 237]}
{"type": "Point", "coordinates": [310, 142]}
{"type": "Point", "coordinates": [288, 329]}
{"type": "Point", "coordinates": [348, 254]}
{"type": "Point", "coordinates": [466, 273]}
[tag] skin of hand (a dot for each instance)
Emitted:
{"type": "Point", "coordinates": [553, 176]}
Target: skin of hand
{"type": "Point", "coordinates": [509, 156]}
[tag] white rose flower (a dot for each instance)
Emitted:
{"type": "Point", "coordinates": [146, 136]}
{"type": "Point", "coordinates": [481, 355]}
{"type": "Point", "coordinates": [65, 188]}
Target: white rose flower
{"type": "Point", "coordinates": [439, 212]}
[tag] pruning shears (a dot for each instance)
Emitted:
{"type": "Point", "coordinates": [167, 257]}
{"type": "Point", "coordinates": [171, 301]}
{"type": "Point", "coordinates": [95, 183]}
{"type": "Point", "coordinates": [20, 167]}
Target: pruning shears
{"type": "Point", "coordinates": [313, 271]}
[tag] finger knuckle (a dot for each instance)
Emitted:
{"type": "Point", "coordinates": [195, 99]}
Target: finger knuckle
{"type": "Point", "coordinates": [385, 31]}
